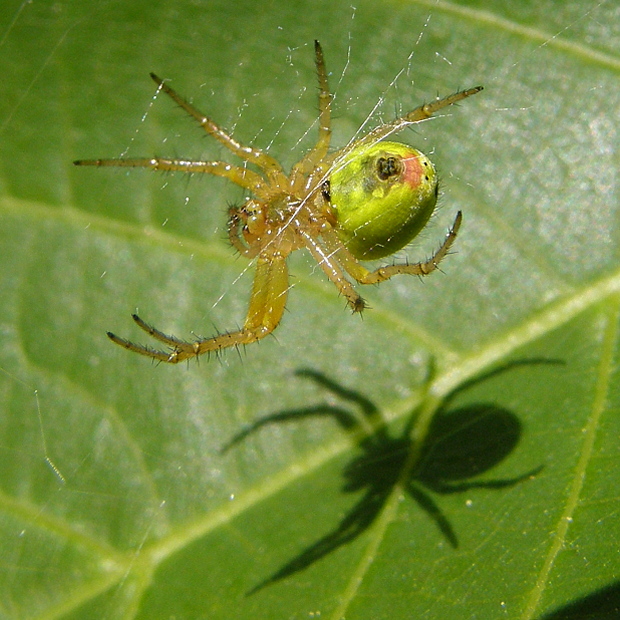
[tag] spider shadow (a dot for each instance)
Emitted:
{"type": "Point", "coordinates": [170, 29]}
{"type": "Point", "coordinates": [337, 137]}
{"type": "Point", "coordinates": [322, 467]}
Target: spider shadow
{"type": "Point", "coordinates": [461, 444]}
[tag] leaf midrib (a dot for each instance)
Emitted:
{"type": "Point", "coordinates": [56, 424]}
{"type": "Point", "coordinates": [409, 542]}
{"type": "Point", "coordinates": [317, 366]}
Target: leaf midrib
{"type": "Point", "coordinates": [547, 39]}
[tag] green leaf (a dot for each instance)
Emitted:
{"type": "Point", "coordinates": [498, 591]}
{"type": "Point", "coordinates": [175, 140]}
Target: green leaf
{"type": "Point", "coordinates": [453, 455]}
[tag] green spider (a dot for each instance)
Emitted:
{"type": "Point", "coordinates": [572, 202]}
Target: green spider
{"type": "Point", "coordinates": [362, 202]}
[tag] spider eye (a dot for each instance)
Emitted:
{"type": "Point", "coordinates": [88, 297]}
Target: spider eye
{"type": "Point", "coordinates": [382, 195]}
{"type": "Point", "coordinates": [326, 191]}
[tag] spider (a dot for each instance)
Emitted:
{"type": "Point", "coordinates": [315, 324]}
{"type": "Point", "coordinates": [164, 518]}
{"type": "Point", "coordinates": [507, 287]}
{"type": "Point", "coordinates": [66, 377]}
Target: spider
{"type": "Point", "coordinates": [363, 202]}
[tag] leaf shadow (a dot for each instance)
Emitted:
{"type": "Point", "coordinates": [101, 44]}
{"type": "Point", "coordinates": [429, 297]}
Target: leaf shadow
{"type": "Point", "coordinates": [461, 444]}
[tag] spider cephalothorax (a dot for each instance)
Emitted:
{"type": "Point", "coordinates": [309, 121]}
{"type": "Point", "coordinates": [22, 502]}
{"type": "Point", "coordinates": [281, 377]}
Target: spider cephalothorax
{"type": "Point", "coordinates": [362, 202]}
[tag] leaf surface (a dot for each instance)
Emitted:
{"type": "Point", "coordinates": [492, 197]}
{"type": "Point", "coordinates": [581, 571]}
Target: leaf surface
{"type": "Point", "coordinates": [454, 454]}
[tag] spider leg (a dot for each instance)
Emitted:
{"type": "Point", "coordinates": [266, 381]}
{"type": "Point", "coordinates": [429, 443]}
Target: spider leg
{"type": "Point", "coordinates": [264, 161]}
{"type": "Point", "coordinates": [241, 176]}
{"type": "Point", "coordinates": [312, 160]}
{"type": "Point", "coordinates": [325, 106]}
{"type": "Point", "coordinates": [267, 304]}
{"type": "Point", "coordinates": [365, 276]}
{"type": "Point", "coordinates": [161, 356]}
{"type": "Point", "coordinates": [415, 116]}
{"type": "Point", "coordinates": [329, 263]}
{"type": "Point", "coordinates": [417, 269]}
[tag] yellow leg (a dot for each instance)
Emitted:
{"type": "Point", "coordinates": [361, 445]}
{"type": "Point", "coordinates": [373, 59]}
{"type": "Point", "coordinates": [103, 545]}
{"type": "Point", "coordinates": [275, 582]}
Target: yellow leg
{"type": "Point", "coordinates": [415, 116]}
{"type": "Point", "coordinates": [241, 176]}
{"type": "Point", "coordinates": [330, 260]}
{"type": "Point", "coordinates": [320, 150]}
{"type": "Point", "coordinates": [365, 276]}
{"type": "Point", "coordinates": [267, 304]}
{"type": "Point", "coordinates": [267, 163]}
{"type": "Point", "coordinates": [417, 269]}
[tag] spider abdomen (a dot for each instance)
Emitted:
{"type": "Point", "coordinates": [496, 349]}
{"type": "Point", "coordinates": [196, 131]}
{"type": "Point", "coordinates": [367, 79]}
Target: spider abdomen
{"type": "Point", "coordinates": [383, 195]}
